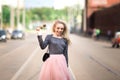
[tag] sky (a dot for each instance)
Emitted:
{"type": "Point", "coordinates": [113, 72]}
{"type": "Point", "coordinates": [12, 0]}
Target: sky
{"type": "Point", "coordinates": [57, 4]}
{"type": "Point", "coordinates": [12, 3]}
{"type": "Point", "coordinates": [61, 3]}
{"type": "Point", "coordinates": [38, 3]}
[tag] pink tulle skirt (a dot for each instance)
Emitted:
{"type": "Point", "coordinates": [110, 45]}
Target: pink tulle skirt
{"type": "Point", "coordinates": [55, 68]}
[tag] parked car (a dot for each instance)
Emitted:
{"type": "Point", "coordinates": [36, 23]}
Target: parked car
{"type": "Point", "coordinates": [18, 34]}
{"type": "Point", "coordinates": [3, 36]}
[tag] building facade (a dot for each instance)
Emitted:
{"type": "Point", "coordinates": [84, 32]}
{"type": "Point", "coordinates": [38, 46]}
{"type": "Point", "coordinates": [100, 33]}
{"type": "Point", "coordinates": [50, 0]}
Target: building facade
{"type": "Point", "coordinates": [103, 14]}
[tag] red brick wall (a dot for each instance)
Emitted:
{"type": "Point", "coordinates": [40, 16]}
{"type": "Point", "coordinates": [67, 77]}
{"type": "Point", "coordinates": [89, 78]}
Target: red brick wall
{"type": "Point", "coordinates": [100, 4]}
{"type": "Point", "coordinates": [106, 19]}
{"type": "Point", "coordinates": [113, 2]}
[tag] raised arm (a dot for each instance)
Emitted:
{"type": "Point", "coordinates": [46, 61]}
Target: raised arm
{"type": "Point", "coordinates": [43, 44]}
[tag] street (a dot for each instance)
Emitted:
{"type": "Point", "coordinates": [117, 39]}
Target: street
{"type": "Point", "coordinates": [88, 59]}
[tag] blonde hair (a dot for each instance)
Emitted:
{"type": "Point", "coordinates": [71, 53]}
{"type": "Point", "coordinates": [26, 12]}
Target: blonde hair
{"type": "Point", "coordinates": [65, 32]}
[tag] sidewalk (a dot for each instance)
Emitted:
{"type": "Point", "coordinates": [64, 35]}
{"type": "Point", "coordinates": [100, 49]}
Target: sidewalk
{"type": "Point", "coordinates": [102, 38]}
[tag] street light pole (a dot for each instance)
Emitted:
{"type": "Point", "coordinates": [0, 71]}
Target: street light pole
{"type": "Point", "coordinates": [23, 14]}
{"type": "Point", "coordinates": [85, 17]}
{"type": "Point", "coordinates": [1, 15]}
{"type": "Point", "coordinates": [18, 13]}
{"type": "Point", "coordinates": [12, 18]}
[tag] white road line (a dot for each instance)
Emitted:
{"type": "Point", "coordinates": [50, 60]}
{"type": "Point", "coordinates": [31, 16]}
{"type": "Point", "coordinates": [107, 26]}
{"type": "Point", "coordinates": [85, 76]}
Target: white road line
{"type": "Point", "coordinates": [24, 65]}
{"type": "Point", "coordinates": [11, 52]}
{"type": "Point", "coordinates": [72, 73]}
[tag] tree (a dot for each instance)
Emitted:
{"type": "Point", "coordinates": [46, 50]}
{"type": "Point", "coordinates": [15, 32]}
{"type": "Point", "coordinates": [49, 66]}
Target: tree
{"type": "Point", "coordinates": [6, 15]}
{"type": "Point", "coordinates": [47, 14]}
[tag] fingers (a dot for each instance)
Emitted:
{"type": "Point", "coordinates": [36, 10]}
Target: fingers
{"type": "Point", "coordinates": [38, 29]}
{"type": "Point", "coordinates": [41, 30]}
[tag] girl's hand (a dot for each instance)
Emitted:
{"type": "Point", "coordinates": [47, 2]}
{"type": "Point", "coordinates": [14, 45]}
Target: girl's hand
{"type": "Point", "coordinates": [38, 29]}
{"type": "Point", "coordinates": [41, 30]}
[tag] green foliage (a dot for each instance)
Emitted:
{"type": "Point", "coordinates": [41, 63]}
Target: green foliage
{"type": "Point", "coordinates": [46, 14]}
{"type": "Point", "coordinates": [38, 14]}
{"type": "Point", "coordinates": [6, 15]}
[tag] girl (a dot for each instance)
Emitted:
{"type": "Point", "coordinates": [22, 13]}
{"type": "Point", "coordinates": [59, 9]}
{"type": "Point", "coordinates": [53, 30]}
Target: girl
{"type": "Point", "coordinates": [56, 66]}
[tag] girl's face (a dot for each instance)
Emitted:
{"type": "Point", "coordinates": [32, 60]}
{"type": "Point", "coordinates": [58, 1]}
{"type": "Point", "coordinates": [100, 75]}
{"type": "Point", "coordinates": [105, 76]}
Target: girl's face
{"type": "Point", "coordinates": [59, 29]}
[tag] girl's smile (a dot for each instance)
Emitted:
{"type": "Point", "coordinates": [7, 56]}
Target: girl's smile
{"type": "Point", "coordinates": [59, 29]}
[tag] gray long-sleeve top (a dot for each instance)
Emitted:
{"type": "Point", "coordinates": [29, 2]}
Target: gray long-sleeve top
{"type": "Point", "coordinates": [55, 45]}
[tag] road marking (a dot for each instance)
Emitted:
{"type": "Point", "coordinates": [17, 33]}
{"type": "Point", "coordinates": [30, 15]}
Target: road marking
{"type": "Point", "coordinates": [17, 74]}
{"type": "Point", "coordinates": [24, 65]}
{"type": "Point", "coordinates": [11, 52]}
{"type": "Point", "coordinates": [106, 67]}
{"type": "Point", "coordinates": [72, 73]}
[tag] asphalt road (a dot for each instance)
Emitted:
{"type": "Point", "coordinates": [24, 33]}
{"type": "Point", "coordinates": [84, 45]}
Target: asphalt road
{"type": "Point", "coordinates": [88, 59]}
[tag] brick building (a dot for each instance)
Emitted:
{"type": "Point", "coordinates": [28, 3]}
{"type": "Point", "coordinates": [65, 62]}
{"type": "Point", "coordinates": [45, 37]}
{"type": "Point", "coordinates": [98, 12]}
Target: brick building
{"type": "Point", "coordinates": [103, 14]}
